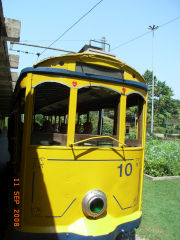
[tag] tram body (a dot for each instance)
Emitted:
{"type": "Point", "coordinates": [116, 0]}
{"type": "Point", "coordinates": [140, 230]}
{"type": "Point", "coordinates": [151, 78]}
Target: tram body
{"type": "Point", "coordinates": [80, 171]}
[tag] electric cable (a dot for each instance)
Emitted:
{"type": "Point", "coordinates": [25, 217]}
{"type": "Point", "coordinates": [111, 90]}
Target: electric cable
{"type": "Point", "coordinates": [147, 32]}
{"type": "Point", "coordinates": [73, 25]}
{"type": "Point", "coordinates": [26, 52]}
{"type": "Point", "coordinates": [132, 40]}
{"type": "Point", "coordinates": [170, 21]}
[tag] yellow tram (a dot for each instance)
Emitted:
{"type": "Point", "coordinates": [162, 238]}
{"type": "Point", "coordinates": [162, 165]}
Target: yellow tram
{"type": "Point", "coordinates": [78, 171]}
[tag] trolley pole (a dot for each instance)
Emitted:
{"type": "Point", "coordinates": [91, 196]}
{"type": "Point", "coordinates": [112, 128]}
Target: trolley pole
{"type": "Point", "coordinates": [103, 40]}
{"type": "Point", "coordinates": [152, 28]}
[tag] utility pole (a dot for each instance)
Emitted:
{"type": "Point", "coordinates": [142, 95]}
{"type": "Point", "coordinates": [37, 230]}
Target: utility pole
{"type": "Point", "coordinates": [152, 28]}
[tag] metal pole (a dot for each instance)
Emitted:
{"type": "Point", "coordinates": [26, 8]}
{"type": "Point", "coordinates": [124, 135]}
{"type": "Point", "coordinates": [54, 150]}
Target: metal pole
{"type": "Point", "coordinates": [152, 28]}
{"type": "Point", "coordinates": [38, 46]}
{"type": "Point", "coordinates": [103, 40]}
{"type": "Point", "coordinates": [101, 122]}
{"type": "Point", "coordinates": [166, 125]}
{"type": "Point", "coordinates": [135, 120]}
{"type": "Point", "coordinates": [152, 113]}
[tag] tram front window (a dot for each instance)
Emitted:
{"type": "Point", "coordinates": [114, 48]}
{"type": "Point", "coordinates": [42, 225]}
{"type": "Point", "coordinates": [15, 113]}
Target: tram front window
{"type": "Point", "coordinates": [97, 117]}
{"type": "Point", "coordinates": [50, 118]}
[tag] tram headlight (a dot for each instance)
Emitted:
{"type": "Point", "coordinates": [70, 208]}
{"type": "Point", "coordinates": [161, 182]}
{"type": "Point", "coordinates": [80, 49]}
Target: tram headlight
{"type": "Point", "coordinates": [94, 203]}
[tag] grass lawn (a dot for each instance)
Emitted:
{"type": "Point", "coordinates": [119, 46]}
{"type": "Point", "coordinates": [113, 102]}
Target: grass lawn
{"type": "Point", "coordinates": [161, 210]}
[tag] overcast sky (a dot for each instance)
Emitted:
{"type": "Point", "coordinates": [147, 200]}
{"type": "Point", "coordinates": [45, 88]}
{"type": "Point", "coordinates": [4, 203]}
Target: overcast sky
{"type": "Point", "coordinates": [118, 21]}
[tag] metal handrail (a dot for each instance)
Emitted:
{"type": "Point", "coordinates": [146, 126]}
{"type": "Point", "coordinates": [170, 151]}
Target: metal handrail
{"type": "Point", "coordinates": [87, 139]}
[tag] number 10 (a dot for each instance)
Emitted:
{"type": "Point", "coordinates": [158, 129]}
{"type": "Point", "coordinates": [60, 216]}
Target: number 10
{"type": "Point", "coordinates": [128, 169]}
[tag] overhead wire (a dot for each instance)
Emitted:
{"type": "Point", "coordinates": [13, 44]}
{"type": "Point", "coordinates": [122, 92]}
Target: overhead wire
{"type": "Point", "coordinates": [73, 25]}
{"type": "Point", "coordinates": [145, 33]}
{"type": "Point", "coordinates": [26, 52]}
{"type": "Point", "coordinates": [132, 40]}
{"type": "Point", "coordinates": [170, 21]}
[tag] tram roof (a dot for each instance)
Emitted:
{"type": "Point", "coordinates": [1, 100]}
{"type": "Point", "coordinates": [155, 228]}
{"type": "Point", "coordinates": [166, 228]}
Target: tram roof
{"type": "Point", "coordinates": [52, 66]}
{"type": "Point", "coordinates": [91, 58]}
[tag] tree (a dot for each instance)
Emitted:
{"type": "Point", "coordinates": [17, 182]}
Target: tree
{"type": "Point", "coordinates": [164, 105]}
{"type": "Point", "coordinates": [174, 121]}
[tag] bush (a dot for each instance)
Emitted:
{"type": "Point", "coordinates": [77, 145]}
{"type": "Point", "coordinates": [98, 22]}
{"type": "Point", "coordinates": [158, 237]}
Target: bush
{"type": "Point", "coordinates": [162, 158]}
{"type": "Point", "coordinates": [107, 129]}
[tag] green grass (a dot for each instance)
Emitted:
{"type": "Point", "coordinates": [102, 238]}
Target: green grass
{"type": "Point", "coordinates": [161, 210]}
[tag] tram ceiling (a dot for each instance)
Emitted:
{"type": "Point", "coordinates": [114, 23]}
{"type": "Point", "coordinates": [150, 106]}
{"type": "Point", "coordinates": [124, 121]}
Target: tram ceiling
{"type": "Point", "coordinates": [9, 31]}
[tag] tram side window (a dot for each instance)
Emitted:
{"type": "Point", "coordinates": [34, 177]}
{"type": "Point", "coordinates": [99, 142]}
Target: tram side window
{"type": "Point", "coordinates": [97, 113]}
{"type": "Point", "coordinates": [134, 120]}
{"type": "Point", "coordinates": [50, 117]}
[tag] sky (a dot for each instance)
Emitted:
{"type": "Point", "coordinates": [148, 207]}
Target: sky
{"type": "Point", "coordinates": [118, 21]}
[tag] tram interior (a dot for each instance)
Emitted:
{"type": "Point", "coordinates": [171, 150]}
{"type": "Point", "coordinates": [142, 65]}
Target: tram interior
{"type": "Point", "coordinates": [97, 115]}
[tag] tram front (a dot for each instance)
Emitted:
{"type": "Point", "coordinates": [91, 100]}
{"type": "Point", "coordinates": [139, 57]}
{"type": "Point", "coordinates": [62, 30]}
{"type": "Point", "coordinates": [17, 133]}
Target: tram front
{"type": "Point", "coordinates": [83, 157]}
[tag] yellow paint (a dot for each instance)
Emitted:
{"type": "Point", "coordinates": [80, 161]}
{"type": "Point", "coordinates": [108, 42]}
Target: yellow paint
{"type": "Point", "coordinates": [72, 116]}
{"type": "Point", "coordinates": [143, 145]}
{"type": "Point", "coordinates": [122, 128]}
{"type": "Point", "coordinates": [56, 178]}
{"type": "Point", "coordinates": [23, 82]}
{"type": "Point", "coordinates": [60, 182]}
{"type": "Point", "coordinates": [91, 58]}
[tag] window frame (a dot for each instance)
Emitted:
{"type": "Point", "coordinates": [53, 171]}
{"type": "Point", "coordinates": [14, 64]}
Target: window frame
{"type": "Point", "coordinates": [32, 113]}
{"type": "Point", "coordinates": [140, 122]}
{"type": "Point", "coordinates": [72, 110]}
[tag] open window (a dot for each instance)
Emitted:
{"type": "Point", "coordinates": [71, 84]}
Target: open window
{"type": "Point", "coordinates": [97, 117]}
{"type": "Point", "coordinates": [50, 117]}
{"type": "Point", "coordinates": [134, 120]}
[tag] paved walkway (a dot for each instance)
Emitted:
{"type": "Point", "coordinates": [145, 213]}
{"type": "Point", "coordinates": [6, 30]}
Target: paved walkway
{"type": "Point", "coordinates": [4, 158]}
